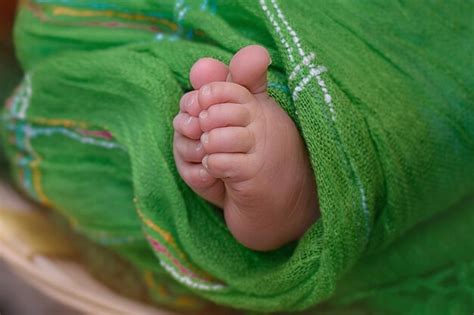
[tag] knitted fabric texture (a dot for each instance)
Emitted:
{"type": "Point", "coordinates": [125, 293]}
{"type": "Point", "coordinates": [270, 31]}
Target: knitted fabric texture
{"type": "Point", "coordinates": [380, 91]}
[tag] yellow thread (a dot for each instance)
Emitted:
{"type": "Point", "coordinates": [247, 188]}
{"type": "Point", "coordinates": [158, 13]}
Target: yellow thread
{"type": "Point", "coordinates": [37, 182]}
{"type": "Point", "coordinates": [149, 281]}
{"type": "Point", "coordinates": [44, 200]}
{"type": "Point", "coordinates": [187, 301]}
{"type": "Point", "coordinates": [166, 236]}
{"type": "Point", "coordinates": [67, 123]}
{"type": "Point", "coordinates": [162, 290]}
{"type": "Point", "coordinates": [109, 13]}
{"type": "Point", "coordinates": [151, 284]}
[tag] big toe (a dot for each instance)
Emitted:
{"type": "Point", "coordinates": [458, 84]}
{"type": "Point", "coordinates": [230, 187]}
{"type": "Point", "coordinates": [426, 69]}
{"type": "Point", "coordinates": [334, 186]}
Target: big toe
{"type": "Point", "coordinates": [249, 66]}
{"type": "Point", "coordinates": [207, 70]}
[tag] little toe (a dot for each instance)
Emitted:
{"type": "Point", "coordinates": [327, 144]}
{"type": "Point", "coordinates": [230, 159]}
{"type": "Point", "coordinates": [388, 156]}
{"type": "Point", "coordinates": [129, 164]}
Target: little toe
{"type": "Point", "coordinates": [249, 66]}
{"type": "Point", "coordinates": [223, 92]}
{"type": "Point", "coordinates": [189, 103]}
{"type": "Point", "coordinates": [224, 115]}
{"type": "Point", "coordinates": [199, 179]}
{"type": "Point", "coordinates": [228, 140]}
{"type": "Point", "coordinates": [189, 150]}
{"type": "Point", "coordinates": [187, 125]}
{"type": "Point", "coordinates": [228, 166]}
{"type": "Point", "coordinates": [207, 70]}
{"type": "Point", "coordinates": [195, 175]}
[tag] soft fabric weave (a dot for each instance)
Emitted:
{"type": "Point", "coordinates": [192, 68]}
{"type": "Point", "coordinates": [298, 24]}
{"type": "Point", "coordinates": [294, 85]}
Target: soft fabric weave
{"type": "Point", "coordinates": [381, 92]}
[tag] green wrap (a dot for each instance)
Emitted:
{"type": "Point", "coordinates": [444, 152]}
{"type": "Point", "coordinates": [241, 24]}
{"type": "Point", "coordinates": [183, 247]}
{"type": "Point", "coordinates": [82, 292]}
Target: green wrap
{"type": "Point", "coordinates": [381, 92]}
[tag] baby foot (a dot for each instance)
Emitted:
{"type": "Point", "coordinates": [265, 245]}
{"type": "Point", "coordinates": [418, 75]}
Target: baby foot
{"type": "Point", "coordinates": [238, 149]}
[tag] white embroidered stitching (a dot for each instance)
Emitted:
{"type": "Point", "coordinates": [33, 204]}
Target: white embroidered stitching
{"type": "Point", "coordinates": [313, 71]}
{"type": "Point", "coordinates": [278, 30]}
{"type": "Point", "coordinates": [26, 99]}
{"type": "Point", "coordinates": [306, 62]}
{"type": "Point", "coordinates": [188, 281]}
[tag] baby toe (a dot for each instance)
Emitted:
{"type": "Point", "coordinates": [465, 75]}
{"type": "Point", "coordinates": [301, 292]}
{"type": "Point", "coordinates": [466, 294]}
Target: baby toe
{"type": "Point", "coordinates": [188, 150]}
{"type": "Point", "coordinates": [224, 115]}
{"type": "Point", "coordinates": [228, 140]}
{"type": "Point", "coordinates": [189, 103]}
{"type": "Point", "coordinates": [196, 176]}
{"type": "Point", "coordinates": [207, 70]}
{"type": "Point", "coordinates": [187, 125]}
{"type": "Point", "coordinates": [228, 166]}
{"type": "Point", "coordinates": [249, 66]}
{"type": "Point", "coordinates": [223, 92]}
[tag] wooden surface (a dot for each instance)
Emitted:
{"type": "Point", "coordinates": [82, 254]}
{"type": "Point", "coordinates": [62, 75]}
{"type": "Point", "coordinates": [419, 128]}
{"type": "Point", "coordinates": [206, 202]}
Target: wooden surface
{"type": "Point", "coordinates": [18, 298]}
{"type": "Point", "coordinates": [48, 266]}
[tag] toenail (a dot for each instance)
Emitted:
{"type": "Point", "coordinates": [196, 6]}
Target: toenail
{"type": "Point", "coordinates": [175, 120]}
{"type": "Point", "coordinates": [205, 138]}
{"type": "Point", "coordinates": [206, 90]}
{"type": "Point", "coordinates": [199, 147]}
{"type": "Point", "coordinates": [203, 114]}
{"type": "Point", "coordinates": [188, 121]}
{"type": "Point", "coordinates": [204, 174]}
{"type": "Point", "coordinates": [189, 101]}
{"type": "Point", "coordinates": [204, 161]}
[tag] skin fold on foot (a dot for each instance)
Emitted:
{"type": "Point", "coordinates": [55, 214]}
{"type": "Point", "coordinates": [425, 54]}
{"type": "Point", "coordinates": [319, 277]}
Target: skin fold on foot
{"type": "Point", "coordinates": [236, 148]}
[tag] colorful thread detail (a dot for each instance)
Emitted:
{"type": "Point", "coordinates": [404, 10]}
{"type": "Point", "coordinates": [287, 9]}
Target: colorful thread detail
{"type": "Point", "coordinates": [187, 275]}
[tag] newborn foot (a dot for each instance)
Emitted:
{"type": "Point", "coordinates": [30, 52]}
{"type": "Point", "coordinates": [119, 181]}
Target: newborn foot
{"type": "Point", "coordinates": [238, 149]}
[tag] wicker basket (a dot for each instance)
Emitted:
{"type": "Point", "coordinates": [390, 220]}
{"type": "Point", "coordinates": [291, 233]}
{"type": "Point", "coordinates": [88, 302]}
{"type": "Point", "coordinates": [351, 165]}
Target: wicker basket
{"type": "Point", "coordinates": [45, 260]}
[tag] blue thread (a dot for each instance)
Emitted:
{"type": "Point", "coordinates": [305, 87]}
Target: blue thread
{"type": "Point", "coordinates": [34, 132]}
{"type": "Point", "coordinates": [163, 36]}
{"type": "Point", "coordinates": [19, 138]}
{"type": "Point", "coordinates": [99, 6]}
{"type": "Point", "coordinates": [204, 5]}
{"type": "Point", "coordinates": [28, 176]}
{"type": "Point", "coordinates": [279, 86]}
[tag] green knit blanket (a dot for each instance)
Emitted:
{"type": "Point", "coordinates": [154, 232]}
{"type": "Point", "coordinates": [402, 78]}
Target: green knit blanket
{"type": "Point", "coordinates": [381, 92]}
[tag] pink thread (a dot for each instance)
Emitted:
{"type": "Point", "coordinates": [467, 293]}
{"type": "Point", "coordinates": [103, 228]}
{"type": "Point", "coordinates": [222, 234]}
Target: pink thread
{"type": "Point", "coordinates": [160, 248]}
{"type": "Point", "coordinates": [96, 133]}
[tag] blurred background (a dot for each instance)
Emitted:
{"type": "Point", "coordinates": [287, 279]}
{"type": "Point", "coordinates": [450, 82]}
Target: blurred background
{"type": "Point", "coordinates": [9, 70]}
{"type": "Point", "coordinates": [16, 297]}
